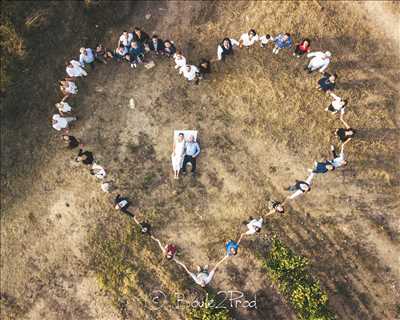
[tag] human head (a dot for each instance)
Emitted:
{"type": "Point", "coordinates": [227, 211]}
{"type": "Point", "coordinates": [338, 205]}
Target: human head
{"type": "Point", "coordinates": [68, 64]}
{"type": "Point", "coordinates": [329, 167]}
{"type": "Point", "coordinates": [167, 44]}
{"type": "Point", "coordinates": [328, 54]}
{"type": "Point", "coordinates": [134, 44]}
{"type": "Point", "coordinates": [188, 67]}
{"type": "Point", "coordinates": [350, 132]}
{"type": "Point", "coordinates": [154, 38]}
{"type": "Point", "coordinates": [333, 77]}
{"type": "Point", "coordinates": [82, 50]}
{"type": "Point", "coordinates": [233, 251]}
{"type": "Point", "coordinates": [345, 102]}
{"type": "Point", "coordinates": [268, 36]}
{"type": "Point", "coordinates": [125, 33]}
{"type": "Point", "coordinates": [304, 187]}
{"type": "Point", "coordinates": [191, 138]}
{"type": "Point", "coordinates": [257, 229]}
{"type": "Point", "coordinates": [179, 53]}
{"type": "Point", "coordinates": [202, 283]}
{"type": "Point", "coordinates": [137, 30]}
{"type": "Point", "coordinates": [286, 36]}
{"type": "Point", "coordinates": [226, 43]}
{"type": "Point", "coordinates": [306, 42]}
{"type": "Point", "coordinates": [252, 32]}
{"type": "Point", "coordinates": [181, 136]}
{"type": "Point", "coordinates": [66, 138]}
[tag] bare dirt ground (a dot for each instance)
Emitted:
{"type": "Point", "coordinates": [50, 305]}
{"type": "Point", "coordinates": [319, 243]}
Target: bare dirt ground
{"type": "Point", "coordinates": [261, 125]}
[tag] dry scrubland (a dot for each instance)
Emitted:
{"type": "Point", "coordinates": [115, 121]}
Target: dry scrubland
{"type": "Point", "coordinates": [66, 254]}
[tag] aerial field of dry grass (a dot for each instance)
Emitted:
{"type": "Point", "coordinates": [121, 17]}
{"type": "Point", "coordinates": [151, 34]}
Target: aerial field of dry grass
{"type": "Point", "coordinates": [66, 254]}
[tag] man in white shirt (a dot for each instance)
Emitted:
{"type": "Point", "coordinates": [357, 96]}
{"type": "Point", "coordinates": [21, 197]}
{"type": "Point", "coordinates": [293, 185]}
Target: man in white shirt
{"type": "Point", "coordinates": [225, 48]}
{"type": "Point", "coordinates": [247, 39]}
{"type": "Point", "coordinates": [59, 123]}
{"type": "Point", "coordinates": [338, 159]}
{"type": "Point", "coordinates": [98, 171]}
{"type": "Point", "coordinates": [264, 40]}
{"type": "Point", "coordinates": [74, 69]}
{"type": "Point", "coordinates": [125, 39]}
{"type": "Point", "coordinates": [189, 72]}
{"type": "Point", "coordinates": [320, 60]}
{"type": "Point", "coordinates": [254, 226]}
{"type": "Point", "coordinates": [180, 60]}
{"type": "Point", "coordinates": [86, 57]}
{"type": "Point", "coordinates": [337, 105]}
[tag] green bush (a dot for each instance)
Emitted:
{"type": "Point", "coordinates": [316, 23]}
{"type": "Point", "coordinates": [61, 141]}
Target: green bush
{"type": "Point", "coordinates": [207, 312]}
{"type": "Point", "coordinates": [291, 275]}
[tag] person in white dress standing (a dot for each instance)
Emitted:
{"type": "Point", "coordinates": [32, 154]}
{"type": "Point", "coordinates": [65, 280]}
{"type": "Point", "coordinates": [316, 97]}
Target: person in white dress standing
{"type": "Point", "coordinates": [178, 153]}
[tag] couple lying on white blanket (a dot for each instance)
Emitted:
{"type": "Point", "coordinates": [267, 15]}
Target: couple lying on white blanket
{"type": "Point", "coordinates": [184, 151]}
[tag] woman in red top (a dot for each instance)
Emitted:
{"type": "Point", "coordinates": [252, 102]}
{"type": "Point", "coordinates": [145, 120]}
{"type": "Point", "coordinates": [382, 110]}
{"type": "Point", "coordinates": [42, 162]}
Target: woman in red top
{"type": "Point", "coordinates": [302, 48]}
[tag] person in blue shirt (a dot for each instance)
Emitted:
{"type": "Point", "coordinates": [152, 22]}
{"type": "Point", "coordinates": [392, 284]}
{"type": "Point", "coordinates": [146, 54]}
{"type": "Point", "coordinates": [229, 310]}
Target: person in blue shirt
{"type": "Point", "coordinates": [322, 167]}
{"type": "Point", "coordinates": [136, 53]}
{"type": "Point", "coordinates": [231, 248]}
{"type": "Point", "coordinates": [192, 150]}
{"type": "Point", "coordinates": [86, 57]}
{"type": "Point", "coordinates": [282, 41]}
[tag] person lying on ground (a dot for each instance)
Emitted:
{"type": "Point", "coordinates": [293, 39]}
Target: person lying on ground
{"type": "Point", "coordinates": [70, 141]}
{"type": "Point", "coordinates": [106, 186]}
{"type": "Point", "coordinates": [192, 150]}
{"type": "Point", "coordinates": [169, 48]}
{"type": "Point", "coordinates": [156, 45]}
{"type": "Point", "coordinates": [180, 60]}
{"type": "Point", "coordinates": [204, 68]}
{"type": "Point", "coordinates": [345, 134]}
{"type": "Point", "coordinates": [125, 39]}
{"type": "Point", "coordinates": [61, 123]}
{"type": "Point", "coordinates": [282, 41]}
{"type": "Point", "coordinates": [190, 72]}
{"type": "Point", "coordinates": [102, 54]}
{"type": "Point", "coordinates": [68, 88]}
{"type": "Point", "coordinates": [203, 276]}
{"type": "Point", "coordinates": [338, 159]}
{"type": "Point", "coordinates": [135, 54]}
{"type": "Point", "coordinates": [264, 40]}
{"type": "Point", "coordinates": [300, 187]}
{"type": "Point", "coordinates": [145, 228]}
{"type": "Point", "coordinates": [327, 82]}
{"type": "Point", "coordinates": [337, 105]}
{"type": "Point", "coordinates": [86, 157]}
{"type": "Point", "coordinates": [254, 226]}
{"type": "Point", "coordinates": [168, 250]}
{"type": "Point", "coordinates": [225, 48]}
{"type": "Point", "coordinates": [122, 204]}
{"type": "Point", "coordinates": [231, 248]}
{"type": "Point", "coordinates": [140, 36]}
{"type": "Point", "coordinates": [74, 69]}
{"type": "Point", "coordinates": [98, 171]}
{"type": "Point", "coordinates": [178, 152]}
{"type": "Point", "coordinates": [63, 108]}
{"type": "Point", "coordinates": [121, 53]}
{"type": "Point", "coordinates": [302, 48]}
{"type": "Point", "coordinates": [249, 38]}
{"type": "Point", "coordinates": [275, 207]}
{"type": "Point", "coordinates": [320, 61]}
{"type": "Point", "coordinates": [86, 57]}
{"type": "Point", "coordinates": [322, 167]}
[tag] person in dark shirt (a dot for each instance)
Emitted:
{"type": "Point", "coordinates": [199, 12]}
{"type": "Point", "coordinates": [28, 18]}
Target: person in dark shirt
{"type": "Point", "coordinates": [204, 68]}
{"type": "Point", "coordinates": [156, 45]}
{"type": "Point", "coordinates": [70, 141]}
{"type": "Point", "coordinates": [322, 167]}
{"type": "Point", "coordinates": [169, 48]}
{"type": "Point", "coordinates": [86, 157]}
{"type": "Point", "coordinates": [327, 82]}
{"type": "Point", "coordinates": [140, 36]}
{"type": "Point", "coordinates": [145, 228]}
{"type": "Point", "coordinates": [136, 53]}
{"type": "Point", "coordinates": [346, 133]}
{"type": "Point", "coordinates": [122, 203]}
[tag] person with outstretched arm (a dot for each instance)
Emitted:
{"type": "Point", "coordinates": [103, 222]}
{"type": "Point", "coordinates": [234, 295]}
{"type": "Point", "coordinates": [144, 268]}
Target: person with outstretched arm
{"type": "Point", "coordinates": [203, 276]}
{"type": "Point", "coordinates": [168, 250]}
{"type": "Point", "coordinates": [345, 134]}
{"type": "Point", "coordinates": [122, 204]}
{"type": "Point", "coordinates": [300, 187]}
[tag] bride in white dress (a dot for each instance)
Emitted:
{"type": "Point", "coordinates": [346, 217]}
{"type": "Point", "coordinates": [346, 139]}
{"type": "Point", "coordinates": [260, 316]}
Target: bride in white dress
{"type": "Point", "coordinates": [178, 153]}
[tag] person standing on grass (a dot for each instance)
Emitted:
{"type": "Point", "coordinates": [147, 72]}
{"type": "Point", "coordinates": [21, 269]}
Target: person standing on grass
{"type": "Point", "coordinates": [178, 152]}
{"type": "Point", "coordinates": [247, 39]}
{"type": "Point", "coordinates": [320, 61]}
{"type": "Point", "coordinates": [302, 48]}
{"type": "Point", "coordinates": [203, 276]}
{"type": "Point", "coordinates": [337, 105]}
{"type": "Point", "coordinates": [156, 45]}
{"type": "Point", "coordinates": [86, 157]}
{"type": "Point", "coordinates": [169, 48]}
{"type": "Point", "coordinates": [122, 204]}
{"type": "Point", "coordinates": [327, 83]}
{"type": "Point", "coordinates": [70, 141]}
{"type": "Point", "coordinates": [231, 248]}
{"type": "Point", "coordinates": [74, 69]}
{"type": "Point", "coordinates": [264, 40]}
{"type": "Point", "coordinates": [300, 187]}
{"type": "Point", "coordinates": [180, 60]}
{"type": "Point", "coordinates": [60, 123]}
{"type": "Point", "coordinates": [282, 41]}
{"type": "Point", "coordinates": [225, 48]}
{"type": "Point", "coordinates": [345, 134]}
{"type": "Point", "coordinates": [190, 72]}
{"type": "Point", "coordinates": [86, 57]}
{"type": "Point", "coordinates": [192, 150]}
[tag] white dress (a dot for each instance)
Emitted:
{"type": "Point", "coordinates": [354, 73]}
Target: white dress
{"type": "Point", "coordinates": [177, 160]}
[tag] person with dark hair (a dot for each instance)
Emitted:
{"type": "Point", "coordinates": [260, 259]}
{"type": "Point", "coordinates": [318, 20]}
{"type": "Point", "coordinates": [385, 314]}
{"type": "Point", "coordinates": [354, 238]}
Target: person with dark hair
{"type": "Point", "coordinates": [338, 159]}
{"type": "Point", "coordinates": [249, 38]}
{"type": "Point", "coordinates": [61, 123]}
{"type": "Point", "coordinates": [180, 60]}
{"type": "Point", "coordinates": [190, 72]}
{"type": "Point", "coordinates": [275, 207]}
{"type": "Point", "coordinates": [74, 69]}
{"type": "Point", "coordinates": [327, 82]}
{"type": "Point", "coordinates": [86, 57]}
{"type": "Point", "coordinates": [125, 39]}
{"type": "Point", "coordinates": [145, 228]}
{"type": "Point", "coordinates": [345, 134]}
{"type": "Point", "coordinates": [337, 105]}
{"type": "Point", "coordinates": [204, 68]}
{"type": "Point", "coordinates": [156, 45]}
{"type": "Point", "coordinates": [70, 141]}
{"type": "Point", "coordinates": [231, 248]}
{"type": "Point", "coordinates": [225, 48]}
{"type": "Point", "coordinates": [169, 48]}
{"type": "Point", "coordinates": [121, 53]}
{"type": "Point", "coordinates": [86, 157]}
{"type": "Point", "coordinates": [102, 54]}
{"type": "Point", "coordinates": [68, 88]}
{"type": "Point", "coordinates": [282, 41]}
{"type": "Point", "coordinates": [302, 48]}
{"type": "Point", "coordinates": [178, 152]}
{"type": "Point", "coordinates": [253, 226]}
{"type": "Point", "coordinates": [140, 36]}
{"type": "Point", "coordinates": [168, 250]}
{"type": "Point", "coordinates": [98, 171]}
{"type": "Point", "coordinates": [322, 167]}
{"type": "Point", "coordinates": [63, 108]}
{"type": "Point", "coordinates": [135, 54]}
{"type": "Point", "coordinates": [264, 40]}
{"type": "Point", "coordinates": [122, 204]}
{"type": "Point", "coordinates": [300, 187]}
